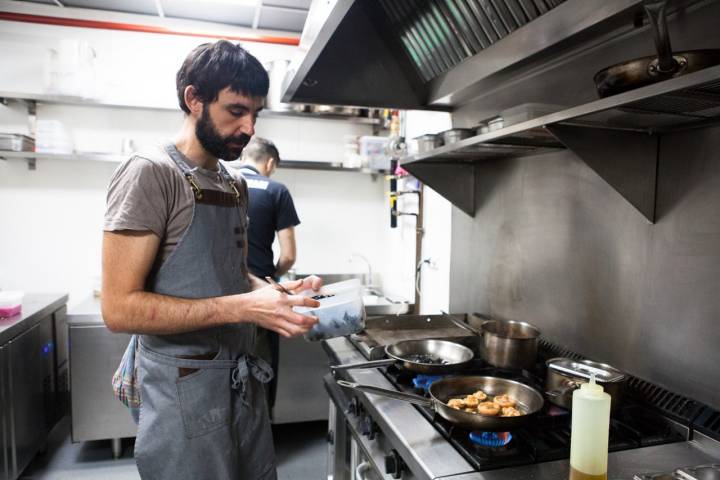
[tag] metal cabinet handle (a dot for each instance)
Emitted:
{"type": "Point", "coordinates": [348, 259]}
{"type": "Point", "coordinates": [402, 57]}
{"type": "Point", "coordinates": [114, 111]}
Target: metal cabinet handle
{"type": "Point", "coordinates": [361, 470]}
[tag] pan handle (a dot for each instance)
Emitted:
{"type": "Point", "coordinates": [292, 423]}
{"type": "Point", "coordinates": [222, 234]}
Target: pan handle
{"type": "Point", "coordinates": [386, 362]}
{"type": "Point", "coordinates": [568, 386]}
{"type": "Point", "coordinates": [406, 397]}
{"type": "Point", "coordinates": [462, 325]}
{"type": "Point", "coordinates": [666, 63]}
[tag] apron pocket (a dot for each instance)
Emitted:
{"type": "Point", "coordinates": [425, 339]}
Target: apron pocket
{"type": "Point", "coordinates": [204, 399]}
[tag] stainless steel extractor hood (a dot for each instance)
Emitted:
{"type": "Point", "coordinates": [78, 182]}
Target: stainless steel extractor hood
{"type": "Point", "coordinates": [436, 54]}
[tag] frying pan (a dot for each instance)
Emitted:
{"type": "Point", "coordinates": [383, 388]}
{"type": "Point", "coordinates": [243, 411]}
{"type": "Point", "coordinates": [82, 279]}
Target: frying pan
{"type": "Point", "coordinates": [401, 354]}
{"type": "Point", "coordinates": [644, 71]}
{"type": "Point", "coordinates": [529, 401]}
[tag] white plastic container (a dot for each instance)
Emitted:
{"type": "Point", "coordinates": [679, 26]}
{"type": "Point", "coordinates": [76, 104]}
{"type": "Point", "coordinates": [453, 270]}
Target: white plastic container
{"type": "Point", "coordinates": [341, 311]}
{"type": "Point", "coordinates": [372, 151]}
{"type": "Point", "coordinates": [10, 303]}
{"type": "Point", "coordinates": [590, 432]}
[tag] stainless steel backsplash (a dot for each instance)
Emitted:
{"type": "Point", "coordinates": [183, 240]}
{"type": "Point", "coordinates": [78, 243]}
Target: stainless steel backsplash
{"type": "Point", "coordinates": [554, 245]}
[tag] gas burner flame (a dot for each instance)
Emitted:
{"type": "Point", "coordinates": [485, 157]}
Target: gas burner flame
{"type": "Point", "coordinates": [491, 439]}
{"type": "Point", "coordinates": [423, 382]}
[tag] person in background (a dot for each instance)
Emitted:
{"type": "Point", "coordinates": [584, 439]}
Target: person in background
{"type": "Point", "coordinates": [175, 276]}
{"type": "Point", "coordinates": [271, 210]}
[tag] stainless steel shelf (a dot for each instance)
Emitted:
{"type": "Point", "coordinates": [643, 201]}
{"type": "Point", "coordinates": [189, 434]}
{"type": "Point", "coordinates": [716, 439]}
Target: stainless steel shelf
{"type": "Point", "coordinates": [320, 116]}
{"type": "Point", "coordinates": [89, 102]}
{"type": "Point", "coordinates": [31, 157]}
{"type": "Point", "coordinates": [489, 145]}
{"type": "Point", "coordinates": [676, 103]}
{"type": "Point", "coordinates": [82, 101]}
{"type": "Point", "coordinates": [628, 126]}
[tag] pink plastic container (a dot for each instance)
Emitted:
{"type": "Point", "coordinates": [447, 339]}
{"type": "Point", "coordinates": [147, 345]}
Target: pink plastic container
{"type": "Point", "coordinates": [10, 311]}
{"type": "Point", "coordinates": [10, 303]}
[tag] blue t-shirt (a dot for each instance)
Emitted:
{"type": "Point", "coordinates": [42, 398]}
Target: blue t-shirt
{"type": "Point", "coordinates": [271, 210]}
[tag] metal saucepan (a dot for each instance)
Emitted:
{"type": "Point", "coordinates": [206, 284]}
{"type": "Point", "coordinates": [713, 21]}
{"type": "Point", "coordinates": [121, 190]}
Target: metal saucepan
{"type": "Point", "coordinates": [565, 375]}
{"type": "Point", "coordinates": [505, 344]}
{"type": "Point", "coordinates": [412, 355]}
{"type": "Point", "coordinates": [644, 71]}
{"type": "Point", "coordinates": [529, 401]}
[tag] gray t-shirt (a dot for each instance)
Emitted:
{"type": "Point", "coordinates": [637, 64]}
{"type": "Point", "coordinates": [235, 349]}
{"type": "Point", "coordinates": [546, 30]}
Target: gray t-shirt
{"type": "Point", "coordinates": [148, 192]}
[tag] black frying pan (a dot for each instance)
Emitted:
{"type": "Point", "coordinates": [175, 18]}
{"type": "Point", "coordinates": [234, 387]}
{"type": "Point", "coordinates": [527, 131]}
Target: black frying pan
{"type": "Point", "coordinates": [529, 401]}
{"type": "Point", "coordinates": [647, 70]}
{"type": "Point", "coordinates": [420, 356]}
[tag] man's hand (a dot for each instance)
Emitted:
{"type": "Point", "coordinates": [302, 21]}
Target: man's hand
{"type": "Point", "coordinates": [313, 282]}
{"type": "Point", "coordinates": [272, 309]}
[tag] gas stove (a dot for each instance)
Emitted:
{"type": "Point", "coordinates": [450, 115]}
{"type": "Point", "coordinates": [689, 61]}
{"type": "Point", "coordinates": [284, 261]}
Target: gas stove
{"type": "Point", "coordinates": [633, 425]}
{"type": "Point", "coordinates": [652, 430]}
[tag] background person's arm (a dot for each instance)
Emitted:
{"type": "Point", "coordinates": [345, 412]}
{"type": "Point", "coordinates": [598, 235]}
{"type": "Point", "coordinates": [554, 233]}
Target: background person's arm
{"type": "Point", "coordinates": [288, 252]}
{"type": "Point", "coordinates": [127, 259]}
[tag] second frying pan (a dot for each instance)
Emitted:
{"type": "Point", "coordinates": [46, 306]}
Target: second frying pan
{"type": "Point", "coordinates": [427, 356]}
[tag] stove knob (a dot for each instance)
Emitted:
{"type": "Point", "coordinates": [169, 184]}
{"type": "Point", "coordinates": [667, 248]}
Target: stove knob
{"type": "Point", "coordinates": [369, 427]}
{"type": "Point", "coordinates": [394, 465]}
{"type": "Point", "coordinates": [354, 406]}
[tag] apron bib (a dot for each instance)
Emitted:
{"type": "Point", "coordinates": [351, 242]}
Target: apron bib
{"type": "Point", "coordinates": [202, 410]}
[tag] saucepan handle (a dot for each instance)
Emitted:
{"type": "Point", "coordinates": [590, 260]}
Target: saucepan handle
{"type": "Point", "coordinates": [405, 397]}
{"type": "Point", "coordinates": [462, 325]}
{"type": "Point", "coordinates": [372, 364]}
{"type": "Point", "coordinates": [568, 386]}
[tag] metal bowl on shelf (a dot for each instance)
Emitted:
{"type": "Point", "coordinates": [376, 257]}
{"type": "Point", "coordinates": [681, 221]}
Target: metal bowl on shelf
{"type": "Point", "coordinates": [428, 142]}
{"type": "Point", "coordinates": [456, 134]}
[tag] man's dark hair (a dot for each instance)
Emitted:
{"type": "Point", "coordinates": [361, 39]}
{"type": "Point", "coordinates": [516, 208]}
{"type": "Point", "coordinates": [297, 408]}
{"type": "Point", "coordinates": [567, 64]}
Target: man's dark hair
{"type": "Point", "coordinates": [260, 150]}
{"type": "Point", "coordinates": [212, 67]}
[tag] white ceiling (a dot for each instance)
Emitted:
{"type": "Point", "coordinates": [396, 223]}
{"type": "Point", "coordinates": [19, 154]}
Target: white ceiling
{"type": "Point", "coordinates": [288, 15]}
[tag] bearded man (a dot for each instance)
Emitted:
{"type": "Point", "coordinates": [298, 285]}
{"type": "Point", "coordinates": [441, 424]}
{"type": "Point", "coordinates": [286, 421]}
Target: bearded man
{"type": "Point", "coordinates": [175, 276]}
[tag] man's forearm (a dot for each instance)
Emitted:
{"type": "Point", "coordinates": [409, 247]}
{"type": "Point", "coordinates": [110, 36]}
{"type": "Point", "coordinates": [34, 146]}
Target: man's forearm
{"type": "Point", "coordinates": [150, 313]}
{"type": "Point", "coordinates": [283, 265]}
{"type": "Point", "coordinates": [256, 283]}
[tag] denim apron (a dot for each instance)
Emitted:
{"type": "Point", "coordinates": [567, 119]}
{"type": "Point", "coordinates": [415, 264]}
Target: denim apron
{"type": "Point", "coordinates": [203, 413]}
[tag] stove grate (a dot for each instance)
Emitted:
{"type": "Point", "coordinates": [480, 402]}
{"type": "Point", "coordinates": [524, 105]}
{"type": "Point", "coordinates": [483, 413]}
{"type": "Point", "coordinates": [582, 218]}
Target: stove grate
{"type": "Point", "coordinates": [708, 422]}
{"type": "Point", "coordinates": [680, 408]}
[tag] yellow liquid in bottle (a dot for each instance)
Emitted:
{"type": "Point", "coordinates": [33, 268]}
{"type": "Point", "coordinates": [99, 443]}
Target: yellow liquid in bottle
{"type": "Point", "coordinates": [578, 475]}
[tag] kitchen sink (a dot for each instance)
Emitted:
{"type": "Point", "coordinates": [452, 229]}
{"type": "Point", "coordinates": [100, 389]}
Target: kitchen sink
{"type": "Point", "coordinates": [381, 305]}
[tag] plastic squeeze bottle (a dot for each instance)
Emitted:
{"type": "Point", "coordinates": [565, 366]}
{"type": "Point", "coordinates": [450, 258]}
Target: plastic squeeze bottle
{"type": "Point", "coordinates": [590, 432]}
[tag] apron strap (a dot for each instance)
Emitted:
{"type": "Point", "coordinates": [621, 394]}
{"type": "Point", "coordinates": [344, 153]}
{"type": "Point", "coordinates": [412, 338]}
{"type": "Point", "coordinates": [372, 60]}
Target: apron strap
{"type": "Point", "coordinates": [230, 180]}
{"type": "Point", "coordinates": [202, 195]}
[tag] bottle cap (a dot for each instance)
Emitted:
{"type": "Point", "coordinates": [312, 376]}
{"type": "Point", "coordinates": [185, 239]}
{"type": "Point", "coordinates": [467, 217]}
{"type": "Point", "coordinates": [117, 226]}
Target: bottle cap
{"type": "Point", "coordinates": [592, 387]}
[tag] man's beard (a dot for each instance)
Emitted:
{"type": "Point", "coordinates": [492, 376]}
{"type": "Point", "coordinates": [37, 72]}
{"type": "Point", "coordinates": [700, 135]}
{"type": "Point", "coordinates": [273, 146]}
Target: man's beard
{"type": "Point", "coordinates": [214, 143]}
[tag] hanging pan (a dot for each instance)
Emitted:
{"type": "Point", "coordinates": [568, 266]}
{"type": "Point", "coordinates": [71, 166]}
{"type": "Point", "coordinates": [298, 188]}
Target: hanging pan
{"type": "Point", "coordinates": [647, 70]}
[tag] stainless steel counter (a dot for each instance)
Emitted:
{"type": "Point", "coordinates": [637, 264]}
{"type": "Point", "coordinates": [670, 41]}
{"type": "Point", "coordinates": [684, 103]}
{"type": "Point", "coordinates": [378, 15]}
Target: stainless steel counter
{"type": "Point", "coordinates": [621, 465]}
{"type": "Point", "coordinates": [35, 307]}
{"type": "Point", "coordinates": [33, 379]}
